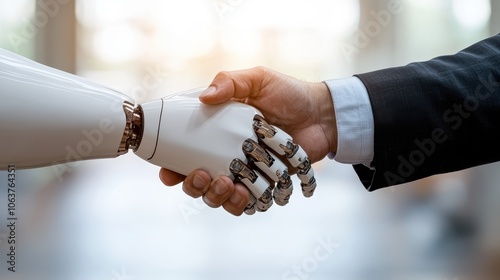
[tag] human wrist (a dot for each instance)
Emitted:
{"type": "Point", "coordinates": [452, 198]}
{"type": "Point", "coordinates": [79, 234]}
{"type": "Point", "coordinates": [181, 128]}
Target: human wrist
{"type": "Point", "coordinates": [326, 115]}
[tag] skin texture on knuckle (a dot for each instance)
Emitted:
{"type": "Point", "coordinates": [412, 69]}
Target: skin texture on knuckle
{"type": "Point", "coordinates": [222, 76]}
{"type": "Point", "coordinates": [210, 203]}
{"type": "Point", "coordinates": [238, 208]}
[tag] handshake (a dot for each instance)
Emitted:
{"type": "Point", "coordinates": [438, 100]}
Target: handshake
{"type": "Point", "coordinates": [230, 139]}
{"type": "Point", "coordinates": [250, 144]}
{"type": "Point", "coordinates": [235, 144]}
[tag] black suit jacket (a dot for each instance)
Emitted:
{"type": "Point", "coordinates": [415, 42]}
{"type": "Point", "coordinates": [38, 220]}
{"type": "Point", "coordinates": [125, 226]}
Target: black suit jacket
{"type": "Point", "coordinates": [434, 117]}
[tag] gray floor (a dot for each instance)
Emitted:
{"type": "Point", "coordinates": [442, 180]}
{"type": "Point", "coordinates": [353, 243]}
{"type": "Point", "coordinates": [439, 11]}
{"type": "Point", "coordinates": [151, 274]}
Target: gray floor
{"type": "Point", "coordinates": [114, 220]}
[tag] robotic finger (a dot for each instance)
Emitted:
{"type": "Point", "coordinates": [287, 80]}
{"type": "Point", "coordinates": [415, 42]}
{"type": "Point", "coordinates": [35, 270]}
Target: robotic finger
{"type": "Point", "coordinates": [272, 167]}
{"type": "Point", "coordinates": [255, 182]}
{"type": "Point", "coordinates": [261, 159]}
{"type": "Point", "coordinates": [282, 143]}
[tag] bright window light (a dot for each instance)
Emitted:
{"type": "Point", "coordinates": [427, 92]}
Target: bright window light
{"type": "Point", "coordinates": [119, 42]}
{"type": "Point", "coordinates": [472, 14]}
{"type": "Point", "coordinates": [13, 11]}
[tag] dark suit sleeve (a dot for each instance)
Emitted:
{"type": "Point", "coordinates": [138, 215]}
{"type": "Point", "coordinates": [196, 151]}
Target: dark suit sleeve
{"type": "Point", "coordinates": [434, 117]}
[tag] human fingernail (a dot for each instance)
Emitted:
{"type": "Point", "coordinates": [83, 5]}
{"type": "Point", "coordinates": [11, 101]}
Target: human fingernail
{"type": "Point", "coordinates": [199, 182]}
{"type": "Point", "coordinates": [235, 198]}
{"type": "Point", "coordinates": [209, 91]}
{"type": "Point", "coordinates": [220, 187]}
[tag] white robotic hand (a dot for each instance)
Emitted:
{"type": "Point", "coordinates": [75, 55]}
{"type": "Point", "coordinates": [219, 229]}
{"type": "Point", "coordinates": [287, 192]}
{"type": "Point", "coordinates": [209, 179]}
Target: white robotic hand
{"type": "Point", "coordinates": [50, 117]}
{"type": "Point", "coordinates": [232, 139]}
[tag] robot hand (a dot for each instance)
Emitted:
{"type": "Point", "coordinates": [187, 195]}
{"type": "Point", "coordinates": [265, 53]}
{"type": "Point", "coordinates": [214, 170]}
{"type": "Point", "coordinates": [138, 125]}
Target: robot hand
{"type": "Point", "coordinates": [50, 117]}
{"type": "Point", "coordinates": [232, 139]}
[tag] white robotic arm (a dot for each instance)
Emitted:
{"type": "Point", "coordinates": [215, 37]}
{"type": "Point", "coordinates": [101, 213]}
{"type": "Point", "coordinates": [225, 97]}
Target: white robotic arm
{"type": "Point", "coordinates": [48, 117]}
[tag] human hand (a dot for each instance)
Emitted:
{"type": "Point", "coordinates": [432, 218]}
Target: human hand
{"type": "Point", "coordinates": [302, 109]}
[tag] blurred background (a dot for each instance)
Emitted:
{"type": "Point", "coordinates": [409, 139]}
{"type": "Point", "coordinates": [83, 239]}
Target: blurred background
{"type": "Point", "coordinates": [114, 220]}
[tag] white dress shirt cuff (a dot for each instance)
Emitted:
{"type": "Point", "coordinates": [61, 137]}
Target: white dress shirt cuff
{"type": "Point", "coordinates": [355, 127]}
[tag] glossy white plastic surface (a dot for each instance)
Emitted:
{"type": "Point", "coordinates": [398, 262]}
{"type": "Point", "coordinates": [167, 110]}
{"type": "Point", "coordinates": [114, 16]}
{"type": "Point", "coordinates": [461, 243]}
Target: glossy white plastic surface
{"type": "Point", "coordinates": [274, 170]}
{"type": "Point", "coordinates": [151, 116]}
{"type": "Point", "coordinates": [49, 116]}
{"type": "Point", "coordinates": [280, 138]}
{"type": "Point", "coordinates": [258, 187]}
{"type": "Point", "coordinates": [298, 158]}
{"type": "Point", "coordinates": [193, 135]}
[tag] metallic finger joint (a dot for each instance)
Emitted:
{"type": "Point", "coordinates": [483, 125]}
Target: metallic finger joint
{"type": "Point", "coordinates": [241, 170]}
{"type": "Point", "coordinates": [262, 128]}
{"type": "Point", "coordinates": [256, 152]}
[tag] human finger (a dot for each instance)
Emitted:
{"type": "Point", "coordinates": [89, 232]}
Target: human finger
{"type": "Point", "coordinates": [234, 84]}
{"type": "Point", "coordinates": [170, 178]}
{"type": "Point", "coordinates": [196, 183]}
{"type": "Point", "coordinates": [238, 200]}
{"type": "Point", "coordinates": [221, 188]}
